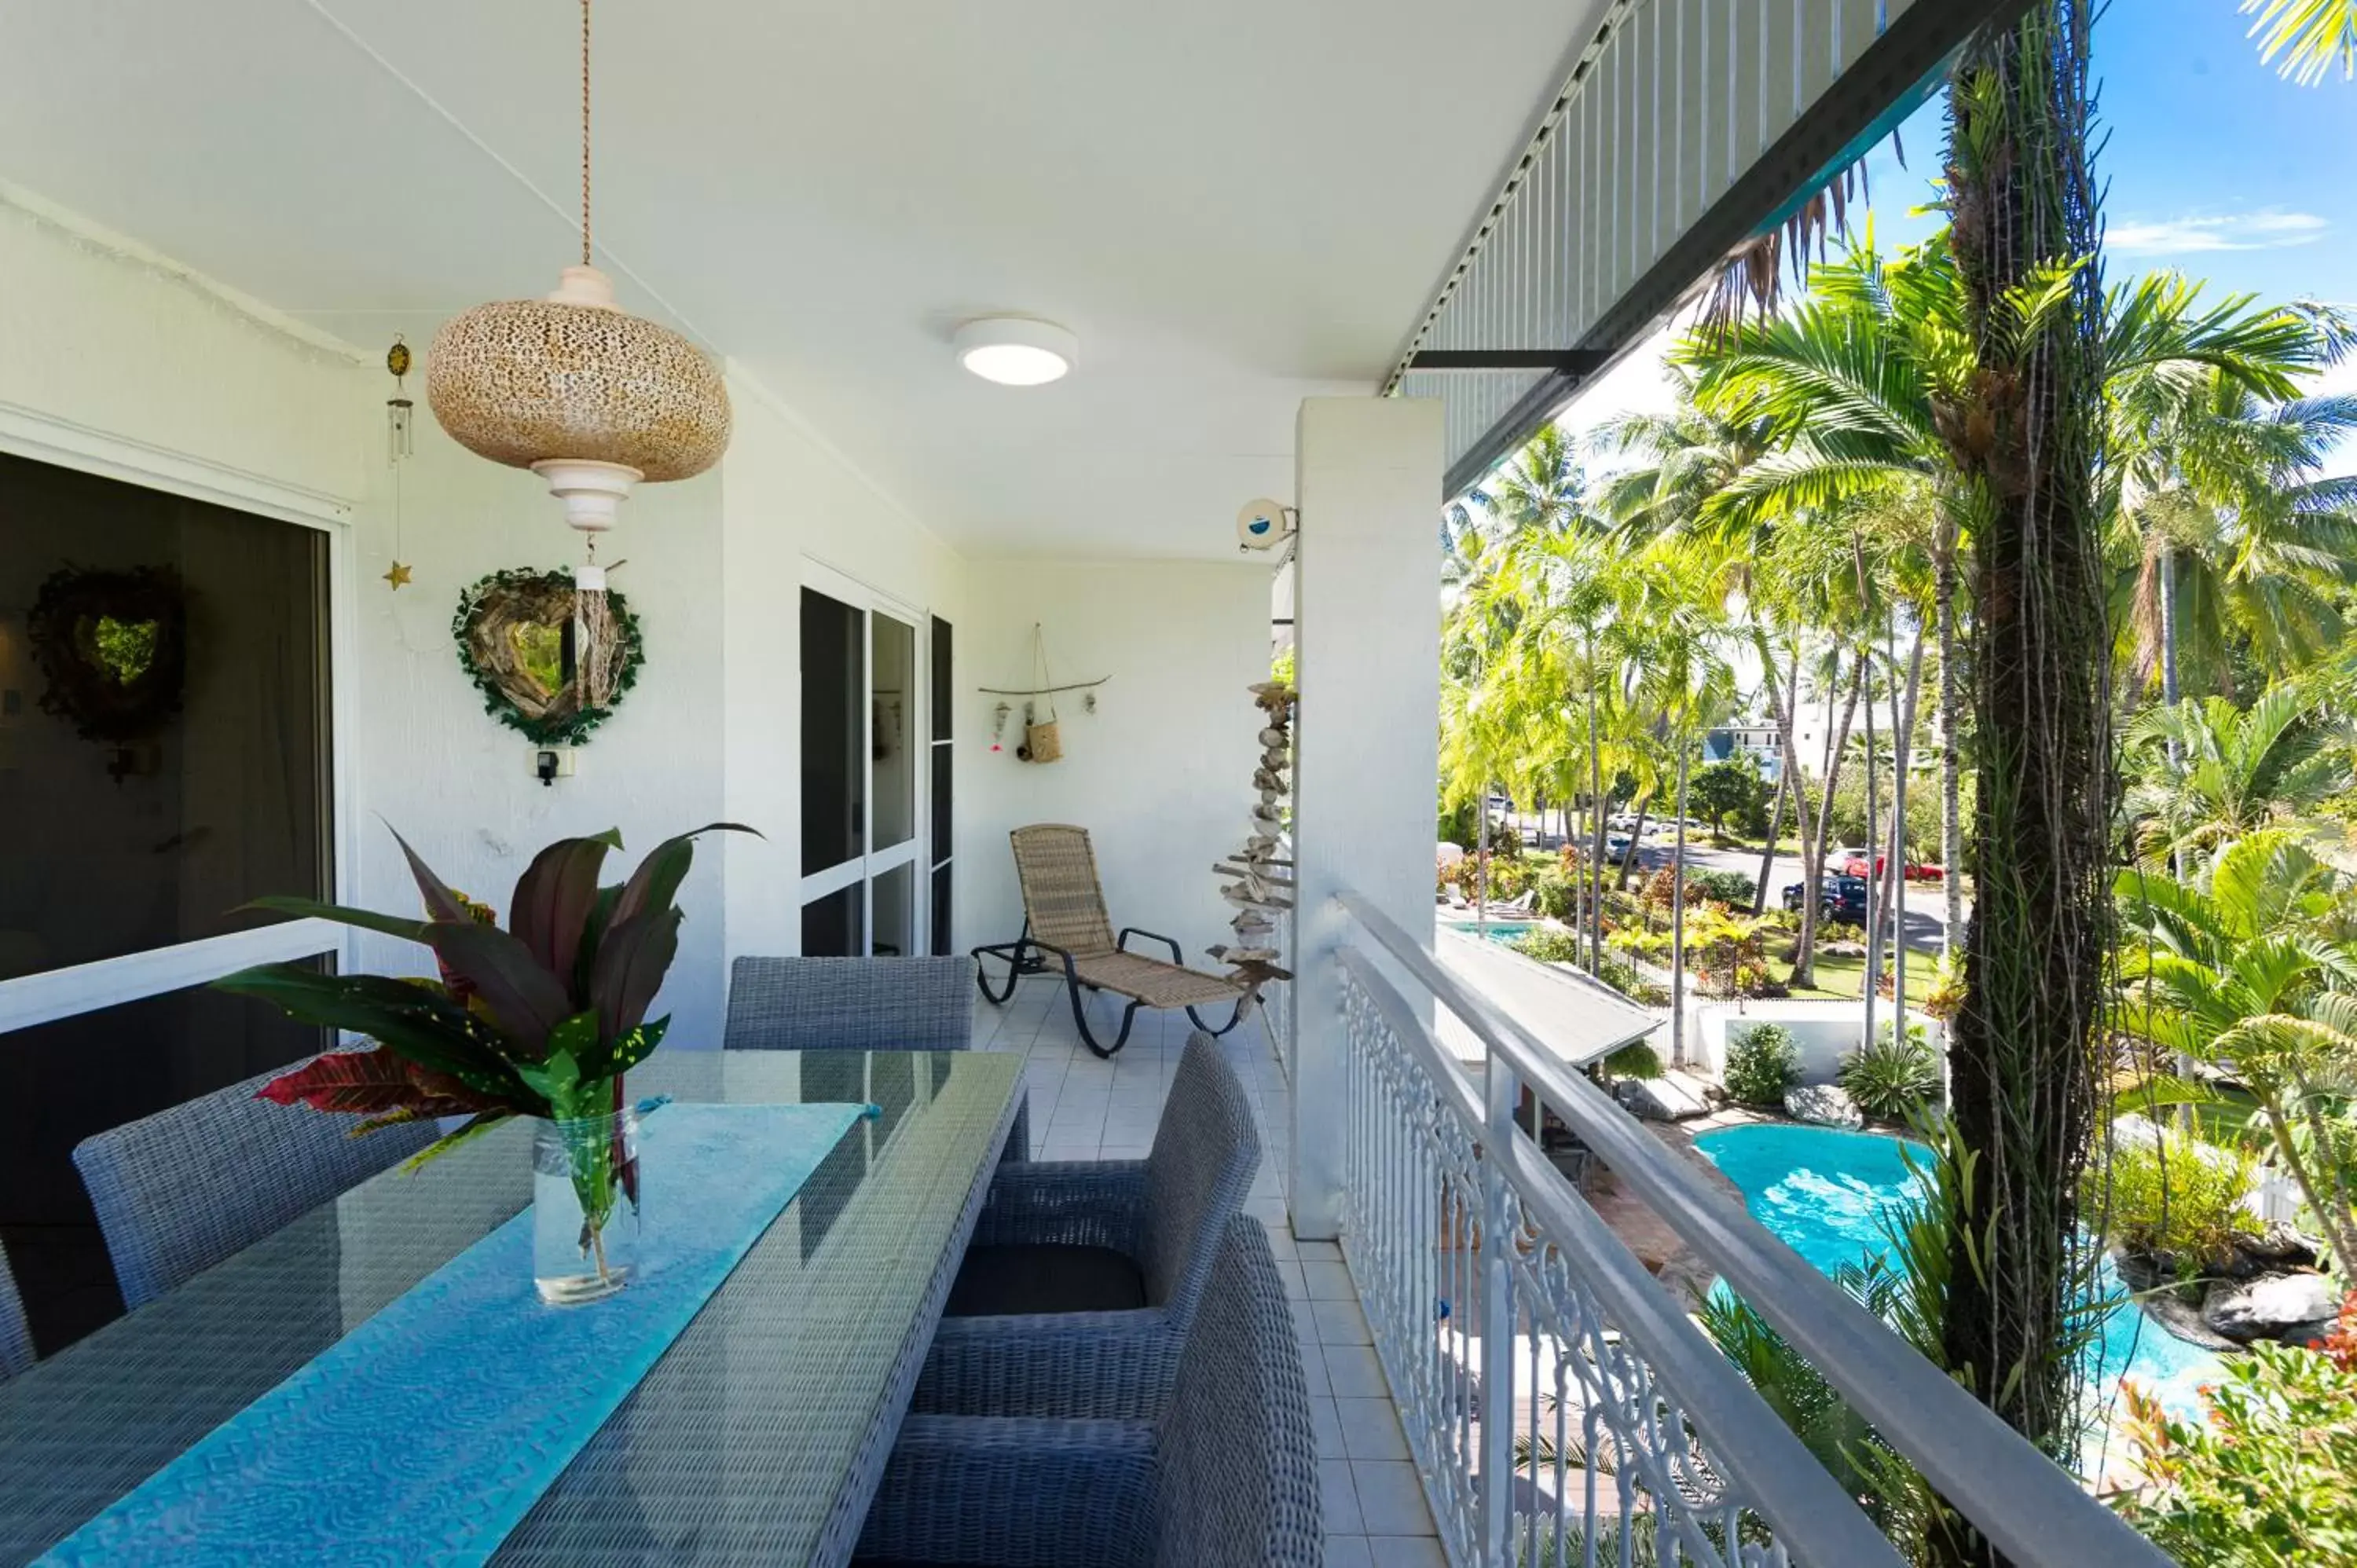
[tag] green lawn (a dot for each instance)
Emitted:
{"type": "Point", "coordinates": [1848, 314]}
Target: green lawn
{"type": "Point", "coordinates": [1845, 978]}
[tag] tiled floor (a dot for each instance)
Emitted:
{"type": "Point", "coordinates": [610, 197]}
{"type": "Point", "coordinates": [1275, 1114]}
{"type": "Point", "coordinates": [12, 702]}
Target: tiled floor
{"type": "Point", "coordinates": [1084, 1107]}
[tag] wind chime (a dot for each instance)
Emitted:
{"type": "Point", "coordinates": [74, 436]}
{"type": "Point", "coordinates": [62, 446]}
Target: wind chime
{"type": "Point", "coordinates": [592, 399]}
{"type": "Point", "coordinates": [398, 445]}
{"type": "Point", "coordinates": [1263, 890]}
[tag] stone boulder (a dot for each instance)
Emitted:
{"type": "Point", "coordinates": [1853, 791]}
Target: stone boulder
{"type": "Point", "coordinates": [1661, 1099]}
{"type": "Point", "coordinates": [1827, 1104]}
{"type": "Point", "coordinates": [2293, 1307]}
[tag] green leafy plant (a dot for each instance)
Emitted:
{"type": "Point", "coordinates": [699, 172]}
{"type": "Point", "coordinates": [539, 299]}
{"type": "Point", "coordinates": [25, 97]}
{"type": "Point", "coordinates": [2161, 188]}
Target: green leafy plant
{"type": "Point", "coordinates": [1761, 1064]}
{"type": "Point", "coordinates": [1548, 944]}
{"type": "Point", "coordinates": [1892, 1079]}
{"type": "Point", "coordinates": [2262, 1481]}
{"type": "Point", "coordinates": [1721, 886]}
{"type": "Point", "coordinates": [541, 1019]}
{"type": "Point", "coordinates": [1554, 894]}
{"type": "Point", "coordinates": [2171, 1195]}
{"type": "Point", "coordinates": [1623, 977]}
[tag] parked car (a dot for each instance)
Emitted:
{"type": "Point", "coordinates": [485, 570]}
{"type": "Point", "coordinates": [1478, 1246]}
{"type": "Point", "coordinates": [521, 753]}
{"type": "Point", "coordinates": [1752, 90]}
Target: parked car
{"type": "Point", "coordinates": [1841, 898]}
{"type": "Point", "coordinates": [1852, 863]}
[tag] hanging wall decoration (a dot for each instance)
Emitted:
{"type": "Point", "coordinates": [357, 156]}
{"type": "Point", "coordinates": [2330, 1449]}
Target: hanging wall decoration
{"type": "Point", "coordinates": [1043, 734]}
{"type": "Point", "coordinates": [399, 445]}
{"type": "Point", "coordinates": [114, 649]}
{"type": "Point", "coordinates": [590, 397]}
{"type": "Point", "coordinates": [1262, 889]}
{"type": "Point", "coordinates": [524, 643]}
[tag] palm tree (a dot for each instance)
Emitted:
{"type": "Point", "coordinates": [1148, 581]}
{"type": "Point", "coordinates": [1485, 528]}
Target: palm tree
{"type": "Point", "coordinates": [2311, 35]}
{"type": "Point", "coordinates": [2244, 966]}
{"type": "Point", "coordinates": [1672, 631]}
{"type": "Point", "coordinates": [1876, 378]}
{"type": "Point", "coordinates": [2225, 535]}
{"type": "Point", "coordinates": [2222, 772]}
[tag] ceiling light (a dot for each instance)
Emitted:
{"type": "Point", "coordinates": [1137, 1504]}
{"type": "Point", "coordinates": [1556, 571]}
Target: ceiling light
{"type": "Point", "coordinates": [1015, 351]}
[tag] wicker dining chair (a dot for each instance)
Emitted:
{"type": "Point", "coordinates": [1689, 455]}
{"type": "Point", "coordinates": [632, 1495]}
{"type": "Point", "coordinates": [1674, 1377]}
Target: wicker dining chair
{"type": "Point", "coordinates": [1064, 920]}
{"type": "Point", "coordinates": [1226, 1477]}
{"type": "Point", "coordinates": [1084, 1277]}
{"type": "Point", "coordinates": [859, 1005]}
{"type": "Point", "coordinates": [16, 1334]}
{"type": "Point", "coordinates": [179, 1191]}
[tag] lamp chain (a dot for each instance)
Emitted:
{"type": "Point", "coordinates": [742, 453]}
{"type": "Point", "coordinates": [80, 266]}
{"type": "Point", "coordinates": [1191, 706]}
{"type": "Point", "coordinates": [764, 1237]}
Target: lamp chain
{"type": "Point", "coordinates": [585, 134]}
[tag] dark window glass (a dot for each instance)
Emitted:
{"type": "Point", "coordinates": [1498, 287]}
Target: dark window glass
{"type": "Point", "coordinates": [891, 740]}
{"type": "Point", "coordinates": [64, 1081]}
{"type": "Point", "coordinates": [944, 942]}
{"type": "Point", "coordinates": [942, 816]}
{"type": "Point", "coordinates": [942, 706]}
{"type": "Point", "coordinates": [895, 905]}
{"type": "Point", "coordinates": [834, 715]}
{"type": "Point", "coordinates": [832, 925]}
{"type": "Point", "coordinates": [164, 746]}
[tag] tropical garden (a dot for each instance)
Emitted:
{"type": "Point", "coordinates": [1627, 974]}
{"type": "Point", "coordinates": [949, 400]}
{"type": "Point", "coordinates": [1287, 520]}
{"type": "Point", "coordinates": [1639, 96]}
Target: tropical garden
{"type": "Point", "coordinates": [2057, 557]}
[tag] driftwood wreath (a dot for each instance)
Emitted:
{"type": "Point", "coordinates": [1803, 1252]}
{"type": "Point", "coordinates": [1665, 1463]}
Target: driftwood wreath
{"type": "Point", "coordinates": [516, 632]}
{"type": "Point", "coordinates": [114, 649]}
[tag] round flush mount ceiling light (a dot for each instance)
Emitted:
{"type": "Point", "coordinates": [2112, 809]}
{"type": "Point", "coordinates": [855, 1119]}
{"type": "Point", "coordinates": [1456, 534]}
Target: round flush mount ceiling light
{"type": "Point", "coordinates": [1015, 352]}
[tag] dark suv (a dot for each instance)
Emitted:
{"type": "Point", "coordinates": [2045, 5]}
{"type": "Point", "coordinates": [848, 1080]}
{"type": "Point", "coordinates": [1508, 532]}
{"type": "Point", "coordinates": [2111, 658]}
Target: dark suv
{"type": "Point", "coordinates": [1841, 898]}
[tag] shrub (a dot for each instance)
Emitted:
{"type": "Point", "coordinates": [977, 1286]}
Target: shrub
{"type": "Point", "coordinates": [1891, 1079]}
{"type": "Point", "coordinates": [1554, 894]}
{"type": "Point", "coordinates": [1761, 1063]}
{"type": "Point", "coordinates": [2171, 1195]}
{"type": "Point", "coordinates": [1724, 887]}
{"type": "Point", "coordinates": [1510, 875]}
{"type": "Point", "coordinates": [1460, 826]}
{"type": "Point", "coordinates": [1623, 978]}
{"type": "Point", "coordinates": [2262, 1482]}
{"type": "Point", "coordinates": [1548, 944]}
{"type": "Point", "coordinates": [1636, 1059]}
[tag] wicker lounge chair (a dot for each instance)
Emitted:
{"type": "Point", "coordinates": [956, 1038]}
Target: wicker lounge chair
{"type": "Point", "coordinates": [1064, 918]}
{"type": "Point", "coordinates": [15, 1338]}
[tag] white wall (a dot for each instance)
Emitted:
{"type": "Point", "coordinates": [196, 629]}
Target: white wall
{"type": "Point", "coordinates": [1160, 774]}
{"type": "Point", "coordinates": [427, 759]}
{"type": "Point", "coordinates": [1822, 1032]}
{"type": "Point", "coordinates": [114, 359]}
{"type": "Point", "coordinates": [786, 498]}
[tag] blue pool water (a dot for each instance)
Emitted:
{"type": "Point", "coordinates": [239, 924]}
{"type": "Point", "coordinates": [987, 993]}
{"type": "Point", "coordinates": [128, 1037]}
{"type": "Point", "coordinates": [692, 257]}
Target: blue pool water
{"type": "Point", "coordinates": [1496, 931]}
{"type": "Point", "coordinates": [1823, 1192]}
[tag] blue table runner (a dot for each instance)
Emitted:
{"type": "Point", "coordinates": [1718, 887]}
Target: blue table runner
{"type": "Point", "coordinates": [427, 1434]}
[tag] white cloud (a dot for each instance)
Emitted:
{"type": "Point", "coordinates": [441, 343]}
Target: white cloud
{"type": "Point", "coordinates": [2190, 236]}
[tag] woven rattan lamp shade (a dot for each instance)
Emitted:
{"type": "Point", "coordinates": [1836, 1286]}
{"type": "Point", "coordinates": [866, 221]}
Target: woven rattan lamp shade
{"type": "Point", "coordinates": [525, 381]}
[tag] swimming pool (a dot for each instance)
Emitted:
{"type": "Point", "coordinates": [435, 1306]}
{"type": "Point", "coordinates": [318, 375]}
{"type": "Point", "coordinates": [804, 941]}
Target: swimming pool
{"type": "Point", "coordinates": [1500, 931]}
{"type": "Point", "coordinates": [1823, 1192]}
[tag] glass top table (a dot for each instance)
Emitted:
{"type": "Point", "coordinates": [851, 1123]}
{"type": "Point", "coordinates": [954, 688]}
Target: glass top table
{"type": "Point", "coordinates": [758, 1437]}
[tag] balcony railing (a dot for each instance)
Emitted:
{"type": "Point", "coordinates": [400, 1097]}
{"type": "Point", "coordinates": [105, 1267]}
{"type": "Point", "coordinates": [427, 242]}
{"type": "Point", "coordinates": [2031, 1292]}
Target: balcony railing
{"type": "Point", "coordinates": [1523, 1341]}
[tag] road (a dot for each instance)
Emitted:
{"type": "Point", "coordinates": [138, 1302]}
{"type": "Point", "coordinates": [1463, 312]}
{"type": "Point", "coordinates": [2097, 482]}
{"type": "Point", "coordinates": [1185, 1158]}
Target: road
{"type": "Point", "coordinates": [1927, 905]}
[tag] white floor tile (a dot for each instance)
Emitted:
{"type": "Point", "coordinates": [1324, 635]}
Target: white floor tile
{"type": "Point", "coordinates": [1390, 1497]}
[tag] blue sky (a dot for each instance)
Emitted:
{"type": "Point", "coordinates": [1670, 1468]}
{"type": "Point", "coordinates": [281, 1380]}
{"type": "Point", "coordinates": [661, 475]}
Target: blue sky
{"type": "Point", "coordinates": [2214, 166]}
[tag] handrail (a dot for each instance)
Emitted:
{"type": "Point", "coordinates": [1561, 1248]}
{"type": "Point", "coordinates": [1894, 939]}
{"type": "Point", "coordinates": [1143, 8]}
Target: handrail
{"type": "Point", "coordinates": [1813, 1516]}
{"type": "Point", "coordinates": [2024, 1504]}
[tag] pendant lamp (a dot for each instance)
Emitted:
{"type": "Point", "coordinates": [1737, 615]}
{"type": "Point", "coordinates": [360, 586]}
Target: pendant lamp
{"type": "Point", "coordinates": [592, 399]}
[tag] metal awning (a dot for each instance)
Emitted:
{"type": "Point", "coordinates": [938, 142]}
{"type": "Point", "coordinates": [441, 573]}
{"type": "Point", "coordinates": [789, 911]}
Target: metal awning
{"type": "Point", "coordinates": [1686, 127]}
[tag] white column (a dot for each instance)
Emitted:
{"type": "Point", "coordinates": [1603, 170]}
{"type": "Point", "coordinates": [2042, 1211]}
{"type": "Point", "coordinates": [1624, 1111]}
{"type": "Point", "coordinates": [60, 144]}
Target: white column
{"type": "Point", "coordinates": [1366, 746]}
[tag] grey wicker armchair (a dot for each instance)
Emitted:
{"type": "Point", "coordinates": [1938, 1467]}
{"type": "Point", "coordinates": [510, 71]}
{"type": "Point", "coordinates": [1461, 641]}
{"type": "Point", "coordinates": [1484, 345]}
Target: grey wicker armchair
{"type": "Point", "coordinates": [179, 1191]}
{"type": "Point", "coordinates": [1084, 1277]}
{"type": "Point", "coordinates": [16, 1336]}
{"type": "Point", "coordinates": [1226, 1478]}
{"type": "Point", "coordinates": [859, 1005]}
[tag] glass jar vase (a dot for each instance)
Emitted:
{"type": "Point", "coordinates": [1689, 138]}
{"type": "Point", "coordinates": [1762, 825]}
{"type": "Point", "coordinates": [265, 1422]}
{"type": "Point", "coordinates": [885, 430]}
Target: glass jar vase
{"type": "Point", "coordinates": [584, 1204]}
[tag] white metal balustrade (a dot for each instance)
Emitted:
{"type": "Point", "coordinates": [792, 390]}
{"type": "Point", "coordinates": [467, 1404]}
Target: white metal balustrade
{"type": "Point", "coordinates": [1524, 1342]}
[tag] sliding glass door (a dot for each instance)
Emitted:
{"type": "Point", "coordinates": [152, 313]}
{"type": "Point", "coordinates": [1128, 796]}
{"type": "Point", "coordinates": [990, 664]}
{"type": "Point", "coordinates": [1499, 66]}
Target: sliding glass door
{"type": "Point", "coordinates": [165, 758]}
{"type": "Point", "coordinates": [865, 738]}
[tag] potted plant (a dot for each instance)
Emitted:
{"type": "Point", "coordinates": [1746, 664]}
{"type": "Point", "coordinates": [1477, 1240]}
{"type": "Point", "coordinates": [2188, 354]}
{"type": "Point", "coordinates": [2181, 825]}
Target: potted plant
{"type": "Point", "coordinates": [541, 1020]}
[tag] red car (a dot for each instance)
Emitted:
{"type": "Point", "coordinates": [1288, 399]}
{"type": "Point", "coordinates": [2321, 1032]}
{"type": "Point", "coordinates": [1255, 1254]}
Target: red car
{"type": "Point", "coordinates": [1917, 871]}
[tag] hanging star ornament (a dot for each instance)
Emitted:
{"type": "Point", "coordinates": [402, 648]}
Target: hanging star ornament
{"type": "Point", "coordinates": [398, 576]}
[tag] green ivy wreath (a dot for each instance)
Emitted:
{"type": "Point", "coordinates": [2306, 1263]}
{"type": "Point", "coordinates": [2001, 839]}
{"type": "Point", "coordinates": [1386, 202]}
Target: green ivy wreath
{"type": "Point", "coordinates": [522, 595]}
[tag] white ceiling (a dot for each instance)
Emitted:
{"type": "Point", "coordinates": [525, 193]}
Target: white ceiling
{"type": "Point", "coordinates": [1235, 203]}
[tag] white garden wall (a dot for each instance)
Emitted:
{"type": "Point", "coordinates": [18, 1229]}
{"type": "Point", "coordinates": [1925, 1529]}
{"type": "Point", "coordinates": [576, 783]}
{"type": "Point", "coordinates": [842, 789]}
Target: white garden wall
{"type": "Point", "coordinates": [1824, 1032]}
